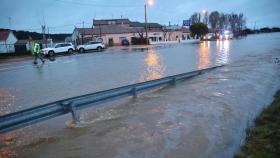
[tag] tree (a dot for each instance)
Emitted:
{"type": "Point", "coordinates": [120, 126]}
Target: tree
{"type": "Point", "coordinates": [140, 32]}
{"type": "Point", "coordinates": [275, 29]}
{"type": "Point", "coordinates": [206, 18]}
{"type": "Point", "coordinates": [214, 20]}
{"type": "Point", "coordinates": [241, 22]}
{"type": "Point", "coordinates": [195, 18]}
{"type": "Point", "coordinates": [199, 29]}
{"type": "Point", "coordinates": [233, 20]}
{"type": "Point", "coordinates": [165, 31]}
{"type": "Point", "coordinates": [224, 21]}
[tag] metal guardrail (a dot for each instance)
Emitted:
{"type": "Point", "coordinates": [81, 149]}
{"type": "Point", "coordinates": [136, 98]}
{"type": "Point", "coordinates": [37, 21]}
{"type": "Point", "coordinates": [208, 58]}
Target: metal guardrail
{"type": "Point", "coordinates": [37, 114]}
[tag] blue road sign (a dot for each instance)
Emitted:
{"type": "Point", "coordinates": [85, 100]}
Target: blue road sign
{"type": "Point", "coordinates": [186, 23]}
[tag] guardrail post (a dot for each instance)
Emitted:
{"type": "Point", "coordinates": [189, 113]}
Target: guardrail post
{"type": "Point", "coordinates": [134, 91]}
{"type": "Point", "coordinates": [72, 108]}
{"type": "Point", "coordinates": [174, 81]}
{"type": "Point", "coordinates": [75, 113]}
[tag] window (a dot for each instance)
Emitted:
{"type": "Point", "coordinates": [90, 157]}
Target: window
{"type": "Point", "coordinates": [59, 45]}
{"type": "Point", "coordinates": [111, 22]}
{"type": "Point", "coordinates": [100, 40]}
{"type": "Point", "coordinates": [94, 42]}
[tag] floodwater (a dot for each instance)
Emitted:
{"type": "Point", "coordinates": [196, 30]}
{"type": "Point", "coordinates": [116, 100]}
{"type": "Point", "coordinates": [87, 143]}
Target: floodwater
{"type": "Point", "coordinates": [205, 116]}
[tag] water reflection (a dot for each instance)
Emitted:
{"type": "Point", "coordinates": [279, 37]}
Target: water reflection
{"type": "Point", "coordinates": [40, 70]}
{"type": "Point", "coordinates": [154, 67]}
{"type": "Point", "coordinates": [223, 54]}
{"type": "Point", "coordinates": [204, 55]}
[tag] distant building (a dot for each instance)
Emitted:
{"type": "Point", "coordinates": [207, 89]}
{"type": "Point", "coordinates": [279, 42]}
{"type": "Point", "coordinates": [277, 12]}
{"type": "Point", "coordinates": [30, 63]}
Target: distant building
{"type": "Point", "coordinates": [173, 27]}
{"type": "Point", "coordinates": [110, 35]}
{"type": "Point", "coordinates": [23, 46]}
{"type": "Point", "coordinates": [68, 39]}
{"type": "Point", "coordinates": [7, 41]}
{"type": "Point", "coordinates": [114, 31]}
{"type": "Point", "coordinates": [119, 22]}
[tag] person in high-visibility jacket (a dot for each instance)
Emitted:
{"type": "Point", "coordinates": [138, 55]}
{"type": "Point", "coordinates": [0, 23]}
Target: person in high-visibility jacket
{"type": "Point", "coordinates": [37, 53]}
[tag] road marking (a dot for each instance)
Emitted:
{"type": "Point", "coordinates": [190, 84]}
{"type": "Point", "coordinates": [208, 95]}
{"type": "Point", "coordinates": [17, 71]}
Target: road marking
{"type": "Point", "coordinates": [11, 68]}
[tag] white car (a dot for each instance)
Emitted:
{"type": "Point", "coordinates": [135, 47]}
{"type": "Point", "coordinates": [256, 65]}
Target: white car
{"type": "Point", "coordinates": [209, 36]}
{"type": "Point", "coordinates": [226, 35]}
{"type": "Point", "coordinates": [90, 46]}
{"type": "Point", "coordinates": [58, 48]}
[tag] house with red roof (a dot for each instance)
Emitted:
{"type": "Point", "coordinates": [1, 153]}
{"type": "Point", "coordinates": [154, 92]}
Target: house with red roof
{"type": "Point", "coordinates": [7, 42]}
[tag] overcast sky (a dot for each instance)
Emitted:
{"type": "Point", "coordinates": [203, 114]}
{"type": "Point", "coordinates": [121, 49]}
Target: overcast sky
{"type": "Point", "coordinates": [64, 15]}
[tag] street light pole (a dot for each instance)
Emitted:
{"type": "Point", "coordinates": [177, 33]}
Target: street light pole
{"type": "Point", "coordinates": [204, 12]}
{"type": "Point", "coordinates": [146, 25]}
{"type": "Point", "coordinates": [83, 32]}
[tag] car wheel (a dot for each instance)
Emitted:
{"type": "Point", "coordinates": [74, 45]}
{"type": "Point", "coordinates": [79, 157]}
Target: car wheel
{"type": "Point", "coordinates": [51, 53]}
{"type": "Point", "coordinates": [99, 49]}
{"type": "Point", "coordinates": [81, 50]}
{"type": "Point", "coordinates": [70, 51]}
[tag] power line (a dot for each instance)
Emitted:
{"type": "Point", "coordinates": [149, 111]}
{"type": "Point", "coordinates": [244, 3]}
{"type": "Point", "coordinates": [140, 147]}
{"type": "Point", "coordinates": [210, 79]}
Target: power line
{"type": "Point", "coordinates": [31, 29]}
{"type": "Point", "coordinates": [97, 5]}
{"type": "Point", "coordinates": [10, 22]}
{"type": "Point", "coordinates": [66, 25]}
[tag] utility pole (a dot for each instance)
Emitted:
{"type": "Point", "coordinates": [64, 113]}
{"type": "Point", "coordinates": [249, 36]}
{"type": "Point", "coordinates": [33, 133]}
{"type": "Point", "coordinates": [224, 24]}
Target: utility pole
{"type": "Point", "coordinates": [49, 33]}
{"type": "Point", "coordinates": [49, 37]}
{"type": "Point", "coordinates": [44, 34]}
{"type": "Point", "coordinates": [83, 32]}
{"type": "Point", "coordinates": [100, 31]}
{"type": "Point", "coordinates": [10, 22]}
{"type": "Point", "coordinates": [146, 25]}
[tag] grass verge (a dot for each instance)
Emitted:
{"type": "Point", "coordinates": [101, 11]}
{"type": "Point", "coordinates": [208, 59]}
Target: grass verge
{"type": "Point", "coordinates": [263, 140]}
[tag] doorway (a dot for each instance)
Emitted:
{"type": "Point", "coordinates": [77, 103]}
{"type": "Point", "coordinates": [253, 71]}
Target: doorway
{"type": "Point", "coordinates": [111, 42]}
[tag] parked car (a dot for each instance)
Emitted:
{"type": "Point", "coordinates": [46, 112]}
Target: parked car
{"type": "Point", "coordinates": [91, 46]}
{"type": "Point", "coordinates": [209, 36]}
{"type": "Point", "coordinates": [226, 35]}
{"type": "Point", "coordinates": [125, 42]}
{"type": "Point", "coordinates": [58, 48]}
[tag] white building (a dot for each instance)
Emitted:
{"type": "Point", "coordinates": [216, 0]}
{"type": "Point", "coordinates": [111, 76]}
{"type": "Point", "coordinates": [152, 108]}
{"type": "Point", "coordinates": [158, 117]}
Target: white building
{"type": "Point", "coordinates": [7, 42]}
{"type": "Point", "coordinates": [113, 32]}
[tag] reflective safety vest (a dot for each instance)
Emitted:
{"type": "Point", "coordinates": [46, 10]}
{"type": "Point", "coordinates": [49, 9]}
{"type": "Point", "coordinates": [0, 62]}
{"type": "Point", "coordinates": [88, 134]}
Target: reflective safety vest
{"type": "Point", "coordinates": [36, 48]}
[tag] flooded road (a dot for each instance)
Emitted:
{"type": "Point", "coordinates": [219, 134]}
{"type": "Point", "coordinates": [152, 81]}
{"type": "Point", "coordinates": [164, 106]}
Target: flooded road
{"type": "Point", "coordinates": [202, 117]}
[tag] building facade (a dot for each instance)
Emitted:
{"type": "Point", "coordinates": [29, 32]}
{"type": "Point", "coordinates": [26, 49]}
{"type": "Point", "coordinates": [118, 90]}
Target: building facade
{"type": "Point", "coordinates": [7, 42]}
{"type": "Point", "coordinates": [113, 32]}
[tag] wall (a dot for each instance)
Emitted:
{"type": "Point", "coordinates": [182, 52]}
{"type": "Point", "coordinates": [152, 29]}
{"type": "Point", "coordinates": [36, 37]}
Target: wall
{"type": "Point", "coordinates": [173, 35]}
{"type": "Point", "coordinates": [154, 35]}
{"type": "Point", "coordinates": [117, 38]}
{"type": "Point", "coordinates": [74, 37]}
{"type": "Point", "coordinates": [8, 45]}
